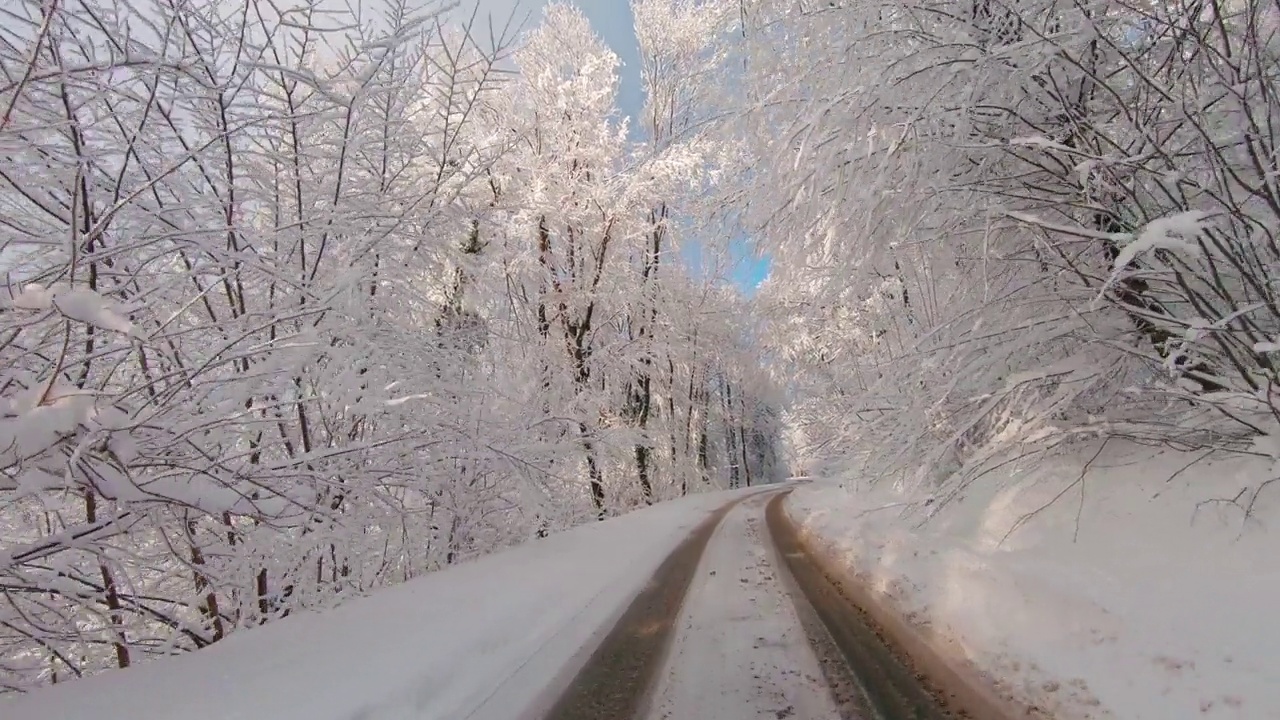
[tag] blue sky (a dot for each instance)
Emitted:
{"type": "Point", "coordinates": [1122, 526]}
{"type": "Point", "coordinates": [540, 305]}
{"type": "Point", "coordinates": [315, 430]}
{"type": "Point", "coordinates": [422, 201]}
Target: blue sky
{"type": "Point", "coordinates": [612, 20]}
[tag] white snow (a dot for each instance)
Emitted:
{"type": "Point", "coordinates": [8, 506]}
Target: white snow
{"type": "Point", "coordinates": [1152, 597]}
{"type": "Point", "coordinates": [1040, 141]}
{"type": "Point", "coordinates": [81, 304]}
{"type": "Point", "coordinates": [740, 651]}
{"type": "Point", "coordinates": [1175, 232]}
{"type": "Point", "coordinates": [32, 297]}
{"type": "Point", "coordinates": [87, 306]}
{"type": "Point", "coordinates": [480, 640]}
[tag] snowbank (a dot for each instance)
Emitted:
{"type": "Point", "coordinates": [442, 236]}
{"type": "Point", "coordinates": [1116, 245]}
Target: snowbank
{"type": "Point", "coordinates": [1142, 592]}
{"type": "Point", "coordinates": [480, 640]}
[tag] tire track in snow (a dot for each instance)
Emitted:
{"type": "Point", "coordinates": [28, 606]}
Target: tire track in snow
{"type": "Point", "coordinates": [890, 687]}
{"type": "Point", "coordinates": [614, 683]}
{"type": "Point", "coordinates": [763, 634]}
{"type": "Point", "coordinates": [741, 653]}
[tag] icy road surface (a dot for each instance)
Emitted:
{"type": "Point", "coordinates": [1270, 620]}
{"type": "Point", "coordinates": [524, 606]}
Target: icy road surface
{"type": "Point", "coordinates": [740, 651]}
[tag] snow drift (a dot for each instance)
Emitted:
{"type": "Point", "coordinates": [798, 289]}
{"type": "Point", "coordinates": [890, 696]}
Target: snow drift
{"type": "Point", "coordinates": [1111, 581]}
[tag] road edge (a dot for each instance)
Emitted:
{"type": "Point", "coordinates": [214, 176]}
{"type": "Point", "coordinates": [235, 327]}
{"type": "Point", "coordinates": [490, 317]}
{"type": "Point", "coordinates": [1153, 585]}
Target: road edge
{"type": "Point", "coordinates": [961, 688]}
{"type": "Point", "coordinates": [846, 689]}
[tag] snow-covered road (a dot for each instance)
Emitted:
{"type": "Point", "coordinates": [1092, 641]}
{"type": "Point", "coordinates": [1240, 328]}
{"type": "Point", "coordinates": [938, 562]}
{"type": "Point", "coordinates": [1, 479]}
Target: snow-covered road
{"type": "Point", "coordinates": [747, 627]}
{"type": "Point", "coordinates": [682, 611]}
{"type": "Point", "coordinates": [740, 650]}
{"type": "Point", "coordinates": [482, 640]}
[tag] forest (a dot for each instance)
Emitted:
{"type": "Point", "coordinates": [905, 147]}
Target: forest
{"type": "Point", "coordinates": [299, 302]}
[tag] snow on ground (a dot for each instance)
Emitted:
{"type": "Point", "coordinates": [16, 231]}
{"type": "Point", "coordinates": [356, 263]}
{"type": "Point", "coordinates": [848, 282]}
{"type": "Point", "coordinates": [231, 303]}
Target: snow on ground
{"type": "Point", "coordinates": [478, 641]}
{"type": "Point", "coordinates": [739, 650]}
{"type": "Point", "coordinates": [1150, 597]}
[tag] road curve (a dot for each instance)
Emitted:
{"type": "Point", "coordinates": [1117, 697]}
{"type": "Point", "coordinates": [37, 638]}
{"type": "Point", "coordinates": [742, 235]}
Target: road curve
{"type": "Point", "coordinates": [735, 626]}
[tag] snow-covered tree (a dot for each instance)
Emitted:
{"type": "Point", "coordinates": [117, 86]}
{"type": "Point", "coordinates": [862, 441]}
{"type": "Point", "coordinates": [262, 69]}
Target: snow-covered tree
{"type": "Point", "coordinates": [994, 223]}
{"type": "Point", "coordinates": [298, 304]}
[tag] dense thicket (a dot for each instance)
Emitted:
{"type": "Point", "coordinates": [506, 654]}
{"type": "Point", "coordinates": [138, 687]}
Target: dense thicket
{"type": "Point", "coordinates": [297, 304]}
{"type": "Point", "coordinates": [1000, 225]}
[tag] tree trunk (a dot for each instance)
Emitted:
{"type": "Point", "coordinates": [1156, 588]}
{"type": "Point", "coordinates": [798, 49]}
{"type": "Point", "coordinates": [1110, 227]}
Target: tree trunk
{"type": "Point", "coordinates": [109, 587]}
{"type": "Point", "coordinates": [209, 608]}
{"type": "Point", "coordinates": [730, 438]}
{"type": "Point", "coordinates": [593, 472]}
{"type": "Point", "coordinates": [264, 602]}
